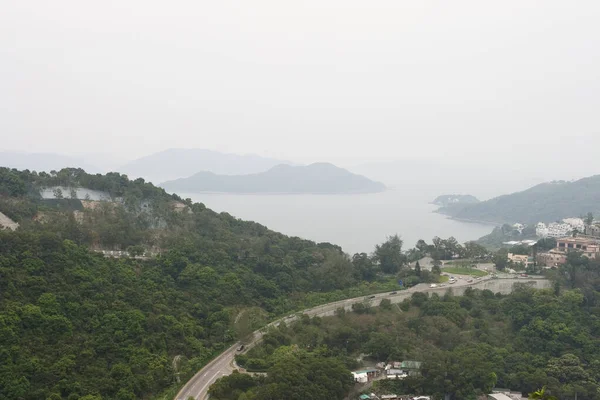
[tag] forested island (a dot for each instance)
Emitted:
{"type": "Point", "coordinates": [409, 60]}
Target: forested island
{"type": "Point", "coordinates": [318, 178]}
{"type": "Point", "coordinates": [128, 296]}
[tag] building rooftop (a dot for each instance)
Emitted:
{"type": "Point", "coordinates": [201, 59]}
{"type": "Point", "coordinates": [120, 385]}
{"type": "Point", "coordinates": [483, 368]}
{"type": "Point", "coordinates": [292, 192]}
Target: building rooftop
{"type": "Point", "coordinates": [410, 365]}
{"type": "Point", "coordinates": [365, 371]}
{"type": "Point", "coordinates": [499, 396]}
{"type": "Point", "coordinates": [578, 239]}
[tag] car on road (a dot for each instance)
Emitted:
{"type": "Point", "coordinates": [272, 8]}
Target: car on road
{"type": "Point", "coordinates": [433, 285]}
{"type": "Point", "coordinates": [524, 276]}
{"type": "Point", "coordinates": [469, 280]}
{"type": "Point", "coordinates": [371, 297]}
{"type": "Point", "coordinates": [241, 347]}
{"type": "Point", "coordinates": [393, 293]}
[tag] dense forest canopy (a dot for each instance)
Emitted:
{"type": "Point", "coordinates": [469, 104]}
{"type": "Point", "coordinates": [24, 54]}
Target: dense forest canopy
{"type": "Point", "coordinates": [467, 345]}
{"type": "Point", "coordinates": [74, 323]}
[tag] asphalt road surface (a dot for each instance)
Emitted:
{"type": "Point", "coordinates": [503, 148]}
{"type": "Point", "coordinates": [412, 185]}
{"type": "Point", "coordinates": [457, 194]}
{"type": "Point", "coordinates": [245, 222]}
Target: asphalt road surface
{"type": "Point", "coordinates": [197, 387]}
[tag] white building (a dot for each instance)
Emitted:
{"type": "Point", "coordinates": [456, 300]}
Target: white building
{"type": "Point", "coordinates": [576, 223]}
{"type": "Point", "coordinates": [560, 229]}
{"type": "Point", "coordinates": [541, 230]}
{"type": "Point", "coordinates": [360, 377]}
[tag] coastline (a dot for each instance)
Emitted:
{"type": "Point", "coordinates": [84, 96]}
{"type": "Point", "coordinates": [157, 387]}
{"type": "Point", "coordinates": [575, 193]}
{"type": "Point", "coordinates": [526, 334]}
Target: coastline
{"type": "Point", "coordinates": [472, 221]}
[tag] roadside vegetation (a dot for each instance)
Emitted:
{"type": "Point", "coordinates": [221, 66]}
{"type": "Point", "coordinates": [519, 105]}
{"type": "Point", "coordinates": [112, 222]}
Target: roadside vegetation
{"type": "Point", "coordinates": [468, 345]}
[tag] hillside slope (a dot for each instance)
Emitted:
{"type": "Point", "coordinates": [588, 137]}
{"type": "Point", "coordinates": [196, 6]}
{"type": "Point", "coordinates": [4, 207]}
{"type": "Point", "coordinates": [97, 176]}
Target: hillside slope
{"type": "Point", "coordinates": [314, 178]}
{"type": "Point", "coordinates": [179, 163]}
{"type": "Point", "coordinates": [546, 202]}
{"type": "Point", "coordinates": [76, 323]}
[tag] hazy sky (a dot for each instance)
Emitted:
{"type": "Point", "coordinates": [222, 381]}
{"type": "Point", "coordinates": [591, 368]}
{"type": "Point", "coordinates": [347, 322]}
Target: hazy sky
{"type": "Point", "coordinates": [327, 79]}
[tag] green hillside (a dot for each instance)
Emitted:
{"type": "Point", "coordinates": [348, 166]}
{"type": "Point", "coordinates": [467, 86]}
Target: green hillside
{"type": "Point", "coordinates": [76, 324]}
{"type": "Point", "coordinates": [546, 202]}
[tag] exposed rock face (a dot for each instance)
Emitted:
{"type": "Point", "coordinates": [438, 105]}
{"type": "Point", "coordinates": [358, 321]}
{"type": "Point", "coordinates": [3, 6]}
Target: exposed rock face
{"type": "Point", "coordinates": [7, 223]}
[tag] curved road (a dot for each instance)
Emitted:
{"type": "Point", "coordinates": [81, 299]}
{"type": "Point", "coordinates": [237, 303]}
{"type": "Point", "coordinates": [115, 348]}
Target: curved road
{"type": "Point", "coordinates": [197, 387]}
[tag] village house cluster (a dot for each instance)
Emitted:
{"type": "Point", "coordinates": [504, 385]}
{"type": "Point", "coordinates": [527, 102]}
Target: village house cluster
{"type": "Point", "coordinates": [571, 234]}
{"type": "Point", "coordinates": [560, 229]}
{"type": "Point", "coordinates": [391, 370]}
{"type": "Point", "coordinates": [588, 246]}
{"type": "Point", "coordinates": [401, 370]}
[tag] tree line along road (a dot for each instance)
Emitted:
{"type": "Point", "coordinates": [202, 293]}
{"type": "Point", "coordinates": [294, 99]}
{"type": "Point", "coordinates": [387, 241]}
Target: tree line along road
{"type": "Point", "coordinates": [197, 387]}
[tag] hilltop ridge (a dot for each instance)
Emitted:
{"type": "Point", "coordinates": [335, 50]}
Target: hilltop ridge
{"type": "Point", "coordinates": [546, 202]}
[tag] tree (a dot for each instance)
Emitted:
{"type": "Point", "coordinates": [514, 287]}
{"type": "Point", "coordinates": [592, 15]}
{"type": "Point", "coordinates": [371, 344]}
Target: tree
{"type": "Point", "coordinates": [500, 259]}
{"type": "Point", "coordinates": [474, 250]}
{"type": "Point", "coordinates": [135, 251]}
{"type": "Point", "coordinates": [589, 219]}
{"type": "Point", "coordinates": [364, 266]}
{"type": "Point", "coordinates": [422, 246]}
{"type": "Point", "coordinates": [380, 345]}
{"type": "Point", "coordinates": [437, 267]}
{"type": "Point", "coordinates": [389, 255]}
{"type": "Point", "coordinates": [567, 370]}
{"type": "Point", "coordinates": [546, 244]}
{"type": "Point", "coordinates": [336, 271]}
{"type": "Point", "coordinates": [541, 395]}
{"type": "Point", "coordinates": [386, 304]}
{"type": "Point", "coordinates": [418, 269]}
{"type": "Point", "coordinates": [58, 194]}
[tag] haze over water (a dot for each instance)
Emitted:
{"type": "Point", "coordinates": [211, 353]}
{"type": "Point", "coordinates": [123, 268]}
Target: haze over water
{"type": "Point", "coordinates": [355, 222]}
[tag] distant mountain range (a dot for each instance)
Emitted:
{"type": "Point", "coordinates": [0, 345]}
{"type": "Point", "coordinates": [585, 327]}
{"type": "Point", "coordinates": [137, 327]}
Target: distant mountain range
{"type": "Point", "coordinates": [179, 163]}
{"type": "Point", "coordinates": [319, 178]}
{"type": "Point", "coordinates": [546, 202]}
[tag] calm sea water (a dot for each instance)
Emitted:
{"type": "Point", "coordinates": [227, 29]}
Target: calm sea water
{"type": "Point", "coordinates": [355, 222]}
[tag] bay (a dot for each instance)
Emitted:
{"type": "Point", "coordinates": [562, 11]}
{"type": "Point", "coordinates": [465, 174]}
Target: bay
{"type": "Point", "coordinates": [355, 222]}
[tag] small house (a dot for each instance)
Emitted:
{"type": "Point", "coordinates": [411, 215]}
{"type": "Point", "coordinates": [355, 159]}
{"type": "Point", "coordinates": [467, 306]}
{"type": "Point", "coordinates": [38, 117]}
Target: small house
{"type": "Point", "coordinates": [411, 367]}
{"type": "Point", "coordinates": [365, 375]}
{"type": "Point", "coordinates": [360, 377]}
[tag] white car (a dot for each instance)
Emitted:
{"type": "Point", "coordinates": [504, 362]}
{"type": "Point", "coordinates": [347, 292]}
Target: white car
{"type": "Point", "coordinates": [433, 285]}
